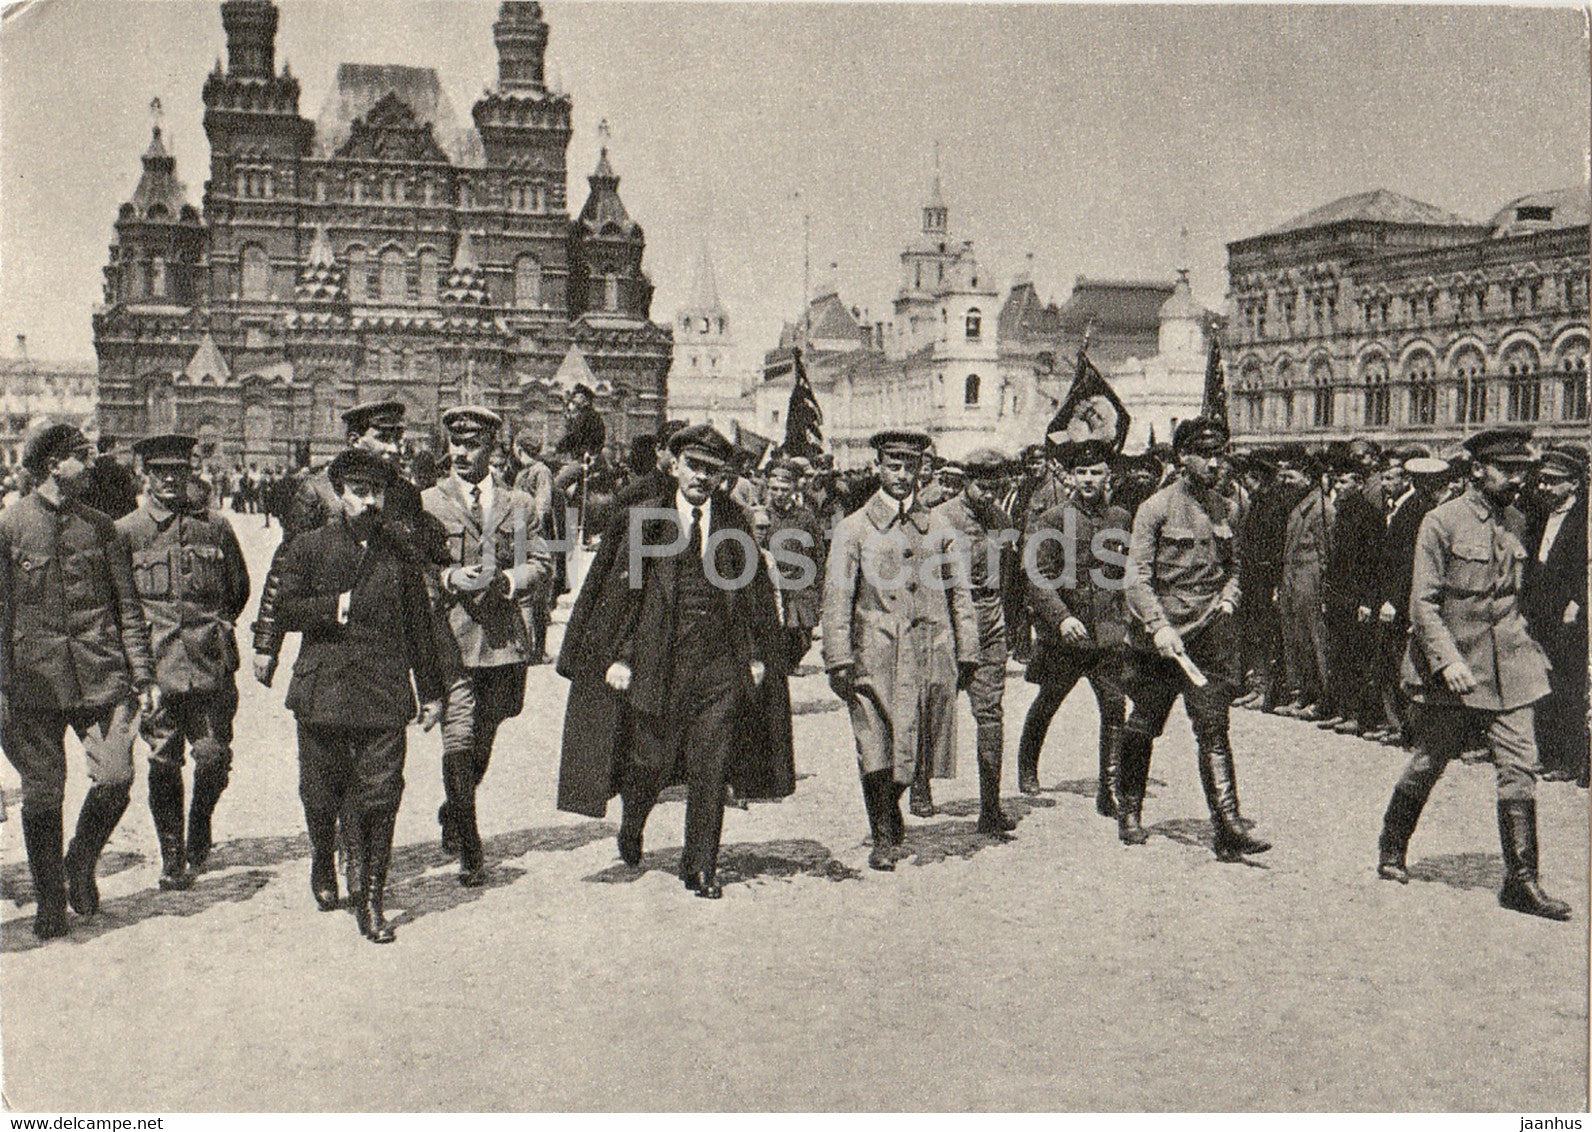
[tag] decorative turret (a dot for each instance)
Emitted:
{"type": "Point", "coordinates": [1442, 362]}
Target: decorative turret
{"type": "Point", "coordinates": [251, 38]}
{"type": "Point", "coordinates": [606, 247]}
{"type": "Point", "coordinates": [159, 240]}
{"type": "Point", "coordinates": [250, 101]}
{"type": "Point", "coordinates": [322, 282]}
{"type": "Point", "coordinates": [521, 37]}
{"type": "Point", "coordinates": [522, 122]}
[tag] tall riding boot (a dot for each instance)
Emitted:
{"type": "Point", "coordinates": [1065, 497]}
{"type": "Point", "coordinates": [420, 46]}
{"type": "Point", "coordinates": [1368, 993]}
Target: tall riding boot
{"type": "Point", "coordinates": [458, 778]}
{"type": "Point", "coordinates": [1110, 762]}
{"type": "Point", "coordinates": [378, 855]}
{"type": "Point", "coordinates": [102, 809]}
{"type": "Point", "coordinates": [1517, 830]}
{"type": "Point", "coordinates": [877, 795]}
{"type": "Point", "coordinates": [1133, 773]}
{"type": "Point", "coordinates": [41, 834]}
{"type": "Point", "coordinates": [351, 843]}
{"type": "Point", "coordinates": [1398, 826]}
{"type": "Point", "coordinates": [165, 806]}
{"type": "Point", "coordinates": [209, 781]}
{"type": "Point", "coordinates": [890, 792]}
{"type": "Point", "coordinates": [322, 825]}
{"type": "Point", "coordinates": [450, 831]}
{"type": "Point", "coordinates": [991, 820]}
{"type": "Point", "coordinates": [1028, 745]}
{"type": "Point", "coordinates": [1232, 840]}
{"type": "Point", "coordinates": [922, 800]}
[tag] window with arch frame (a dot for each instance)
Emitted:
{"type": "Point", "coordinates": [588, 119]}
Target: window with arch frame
{"type": "Point", "coordinates": [1524, 383]}
{"type": "Point", "coordinates": [1378, 394]}
{"type": "Point", "coordinates": [1421, 373]}
{"type": "Point", "coordinates": [974, 325]}
{"type": "Point", "coordinates": [1470, 387]}
{"type": "Point", "coordinates": [970, 391]}
{"type": "Point", "coordinates": [1573, 378]}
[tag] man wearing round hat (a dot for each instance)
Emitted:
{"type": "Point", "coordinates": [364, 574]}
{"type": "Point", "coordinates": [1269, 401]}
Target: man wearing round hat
{"type": "Point", "coordinates": [899, 638]}
{"type": "Point", "coordinates": [487, 595]}
{"type": "Point", "coordinates": [1414, 493]}
{"type": "Point", "coordinates": [673, 631]}
{"type": "Point", "coordinates": [74, 653]}
{"type": "Point", "coordinates": [1299, 596]}
{"type": "Point", "coordinates": [192, 581]}
{"type": "Point", "coordinates": [980, 525]}
{"type": "Point", "coordinates": [1079, 618]}
{"type": "Point", "coordinates": [1349, 590]}
{"type": "Point", "coordinates": [1182, 590]}
{"type": "Point", "coordinates": [1555, 607]}
{"type": "Point", "coordinates": [1473, 667]}
{"type": "Point", "coordinates": [358, 596]}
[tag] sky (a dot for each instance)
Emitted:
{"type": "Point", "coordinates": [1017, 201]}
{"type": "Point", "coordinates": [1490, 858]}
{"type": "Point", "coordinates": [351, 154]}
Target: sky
{"type": "Point", "coordinates": [1089, 137]}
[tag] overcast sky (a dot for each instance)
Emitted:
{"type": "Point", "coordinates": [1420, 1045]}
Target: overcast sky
{"type": "Point", "coordinates": [1087, 136]}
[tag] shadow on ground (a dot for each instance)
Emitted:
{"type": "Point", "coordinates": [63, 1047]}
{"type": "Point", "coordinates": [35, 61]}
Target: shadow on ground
{"type": "Point", "coordinates": [17, 883]}
{"type": "Point", "coordinates": [743, 863]}
{"type": "Point", "coordinates": [1197, 834]}
{"type": "Point", "coordinates": [1461, 870]}
{"type": "Point", "coordinates": [125, 911]}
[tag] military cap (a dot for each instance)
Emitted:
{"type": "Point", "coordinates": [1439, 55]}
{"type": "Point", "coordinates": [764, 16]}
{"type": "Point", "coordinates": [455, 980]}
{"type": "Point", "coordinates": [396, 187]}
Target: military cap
{"type": "Point", "coordinates": [166, 448]}
{"type": "Point", "coordinates": [952, 468]}
{"type": "Point", "coordinates": [359, 464]}
{"type": "Point", "coordinates": [470, 420]}
{"type": "Point", "coordinates": [1426, 466]}
{"type": "Point", "coordinates": [1410, 452]}
{"type": "Point", "coordinates": [582, 387]}
{"type": "Point", "coordinates": [1502, 446]}
{"type": "Point", "coordinates": [361, 418]}
{"type": "Point", "coordinates": [802, 464]}
{"type": "Point", "coordinates": [47, 441]}
{"type": "Point", "coordinates": [702, 442]}
{"type": "Point", "coordinates": [900, 441]}
{"type": "Point", "coordinates": [985, 463]}
{"type": "Point", "coordinates": [1565, 459]}
{"type": "Point", "coordinates": [785, 469]}
{"type": "Point", "coordinates": [1083, 453]}
{"type": "Point", "coordinates": [1293, 454]}
{"type": "Point", "coordinates": [1200, 434]}
{"type": "Point", "coordinates": [1341, 459]}
{"type": "Point", "coordinates": [1260, 460]}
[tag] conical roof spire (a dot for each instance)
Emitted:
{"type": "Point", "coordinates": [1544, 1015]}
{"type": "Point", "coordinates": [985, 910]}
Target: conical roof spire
{"type": "Point", "coordinates": [704, 286]}
{"type": "Point", "coordinates": [158, 187]}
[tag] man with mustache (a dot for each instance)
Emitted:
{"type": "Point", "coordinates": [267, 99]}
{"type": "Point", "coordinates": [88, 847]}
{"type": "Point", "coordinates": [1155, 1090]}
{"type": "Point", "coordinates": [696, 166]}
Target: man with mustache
{"type": "Point", "coordinates": [1473, 667]}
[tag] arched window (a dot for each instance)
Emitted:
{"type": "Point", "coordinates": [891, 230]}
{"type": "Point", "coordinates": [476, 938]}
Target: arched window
{"type": "Point", "coordinates": [1573, 393]}
{"type": "Point", "coordinates": [527, 282]}
{"type": "Point", "coordinates": [356, 189]}
{"type": "Point", "coordinates": [539, 199]}
{"type": "Point", "coordinates": [1525, 383]}
{"type": "Point", "coordinates": [1470, 387]}
{"type": "Point", "coordinates": [358, 268]}
{"type": "Point", "coordinates": [428, 275]}
{"type": "Point", "coordinates": [611, 292]}
{"type": "Point", "coordinates": [256, 273]}
{"type": "Point", "coordinates": [975, 325]}
{"type": "Point", "coordinates": [320, 188]}
{"type": "Point", "coordinates": [428, 191]}
{"type": "Point", "coordinates": [1421, 373]}
{"type": "Point", "coordinates": [243, 183]}
{"type": "Point", "coordinates": [394, 283]}
{"type": "Point", "coordinates": [1378, 396]}
{"type": "Point", "coordinates": [1321, 380]}
{"type": "Point", "coordinates": [970, 391]}
{"type": "Point", "coordinates": [157, 278]}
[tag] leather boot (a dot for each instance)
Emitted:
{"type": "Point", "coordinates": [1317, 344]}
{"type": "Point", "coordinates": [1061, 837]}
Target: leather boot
{"type": "Point", "coordinates": [922, 800]}
{"type": "Point", "coordinates": [165, 807]}
{"type": "Point", "coordinates": [890, 792]}
{"type": "Point", "coordinates": [992, 822]}
{"type": "Point", "coordinates": [1398, 826]}
{"type": "Point", "coordinates": [1221, 795]}
{"type": "Point", "coordinates": [1110, 761]}
{"type": "Point", "coordinates": [1517, 830]}
{"type": "Point", "coordinates": [102, 809]}
{"type": "Point", "coordinates": [351, 843]}
{"type": "Point", "coordinates": [875, 787]}
{"type": "Point", "coordinates": [209, 780]}
{"type": "Point", "coordinates": [1027, 763]}
{"type": "Point", "coordinates": [41, 834]}
{"type": "Point", "coordinates": [450, 833]}
{"type": "Point", "coordinates": [459, 779]}
{"type": "Point", "coordinates": [378, 855]}
{"type": "Point", "coordinates": [322, 827]}
{"type": "Point", "coordinates": [1133, 774]}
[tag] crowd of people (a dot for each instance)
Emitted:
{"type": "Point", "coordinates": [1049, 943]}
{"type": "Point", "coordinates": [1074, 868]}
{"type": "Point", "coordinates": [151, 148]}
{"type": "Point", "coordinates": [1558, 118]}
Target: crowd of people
{"type": "Point", "coordinates": [1392, 595]}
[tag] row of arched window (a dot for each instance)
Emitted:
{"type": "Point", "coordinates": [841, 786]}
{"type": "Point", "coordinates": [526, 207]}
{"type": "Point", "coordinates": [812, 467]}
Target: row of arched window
{"type": "Point", "coordinates": [393, 188]}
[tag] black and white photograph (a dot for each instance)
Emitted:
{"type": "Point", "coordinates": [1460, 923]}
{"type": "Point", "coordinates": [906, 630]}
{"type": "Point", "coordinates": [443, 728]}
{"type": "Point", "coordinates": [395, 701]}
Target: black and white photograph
{"type": "Point", "coordinates": [869, 558]}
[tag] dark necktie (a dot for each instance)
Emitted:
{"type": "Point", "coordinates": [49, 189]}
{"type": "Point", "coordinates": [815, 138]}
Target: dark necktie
{"type": "Point", "coordinates": [476, 515]}
{"type": "Point", "coordinates": [696, 532]}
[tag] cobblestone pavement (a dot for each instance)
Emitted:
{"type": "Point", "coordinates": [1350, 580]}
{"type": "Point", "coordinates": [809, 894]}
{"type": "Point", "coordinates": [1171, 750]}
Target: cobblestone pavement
{"type": "Point", "coordinates": [1061, 971]}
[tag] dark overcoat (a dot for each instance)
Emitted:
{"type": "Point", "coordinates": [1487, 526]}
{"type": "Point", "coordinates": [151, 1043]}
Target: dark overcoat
{"type": "Point", "coordinates": [613, 620]}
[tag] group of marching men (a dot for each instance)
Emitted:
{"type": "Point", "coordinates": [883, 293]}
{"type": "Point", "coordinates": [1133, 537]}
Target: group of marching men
{"type": "Point", "coordinates": [701, 601]}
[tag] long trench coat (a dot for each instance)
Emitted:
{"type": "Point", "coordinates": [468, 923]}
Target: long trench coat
{"type": "Point", "coordinates": [613, 620]}
{"type": "Point", "coordinates": [903, 630]}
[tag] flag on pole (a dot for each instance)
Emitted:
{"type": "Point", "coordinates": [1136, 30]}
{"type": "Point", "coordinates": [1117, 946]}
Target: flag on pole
{"type": "Point", "coordinates": [1215, 403]}
{"type": "Point", "coordinates": [803, 418]}
{"type": "Point", "coordinates": [1091, 410]}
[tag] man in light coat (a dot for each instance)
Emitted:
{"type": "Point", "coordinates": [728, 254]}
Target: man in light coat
{"type": "Point", "coordinates": [900, 637]}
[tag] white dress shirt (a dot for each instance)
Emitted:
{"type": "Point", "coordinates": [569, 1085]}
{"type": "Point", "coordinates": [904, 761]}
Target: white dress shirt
{"type": "Point", "coordinates": [1550, 533]}
{"type": "Point", "coordinates": [685, 507]}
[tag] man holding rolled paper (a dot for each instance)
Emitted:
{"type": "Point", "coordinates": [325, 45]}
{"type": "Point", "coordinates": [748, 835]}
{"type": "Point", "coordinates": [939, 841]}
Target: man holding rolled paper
{"type": "Point", "coordinates": [1182, 588]}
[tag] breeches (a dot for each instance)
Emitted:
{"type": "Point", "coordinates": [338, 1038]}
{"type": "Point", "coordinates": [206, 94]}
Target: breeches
{"type": "Point", "coordinates": [361, 768]}
{"type": "Point", "coordinates": [35, 743]}
{"type": "Point", "coordinates": [1101, 667]}
{"type": "Point", "coordinates": [1441, 732]}
{"type": "Point", "coordinates": [1154, 683]}
{"type": "Point", "coordinates": [202, 720]}
{"type": "Point", "coordinates": [476, 705]}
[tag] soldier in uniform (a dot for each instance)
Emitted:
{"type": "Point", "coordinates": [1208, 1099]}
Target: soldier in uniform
{"type": "Point", "coordinates": [973, 514]}
{"type": "Point", "coordinates": [1473, 666]}
{"type": "Point", "coordinates": [800, 559]}
{"type": "Point", "coordinates": [898, 641]}
{"type": "Point", "coordinates": [487, 596]}
{"type": "Point", "coordinates": [74, 652]}
{"type": "Point", "coordinates": [1182, 591]}
{"type": "Point", "coordinates": [664, 667]}
{"type": "Point", "coordinates": [356, 593]}
{"type": "Point", "coordinates": [191, 578]}
{"type": "Point", "coordinates": [1079, 619]}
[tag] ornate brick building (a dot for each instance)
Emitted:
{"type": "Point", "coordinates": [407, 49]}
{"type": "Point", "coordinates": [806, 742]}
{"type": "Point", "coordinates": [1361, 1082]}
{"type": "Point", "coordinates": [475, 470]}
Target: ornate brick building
{"type": "Point", "coordinates": [1381, 316]}
{"type": "Point", "coordinates": [381, 250]}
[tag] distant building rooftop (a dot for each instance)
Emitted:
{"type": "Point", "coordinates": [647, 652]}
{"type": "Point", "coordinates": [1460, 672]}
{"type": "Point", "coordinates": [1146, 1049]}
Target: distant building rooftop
{"type": "Point", "coordinates": [1379, 206]}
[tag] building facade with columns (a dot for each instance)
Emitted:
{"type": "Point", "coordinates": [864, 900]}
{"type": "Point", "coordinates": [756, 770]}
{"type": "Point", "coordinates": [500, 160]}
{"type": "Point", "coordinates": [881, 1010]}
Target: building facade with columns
{"type": "Point", "coordinates": [1384, 317]}
{"type": "Point", "coordinates": [380, 250]}
{"type": "Point", "coordinates": [34, 391]}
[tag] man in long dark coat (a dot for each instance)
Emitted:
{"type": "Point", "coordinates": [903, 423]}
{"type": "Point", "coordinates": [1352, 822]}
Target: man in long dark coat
{"type": "Point", "coordinates": [663, 658]}
{"type": "Point", "coordinates": [1555, 608]}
